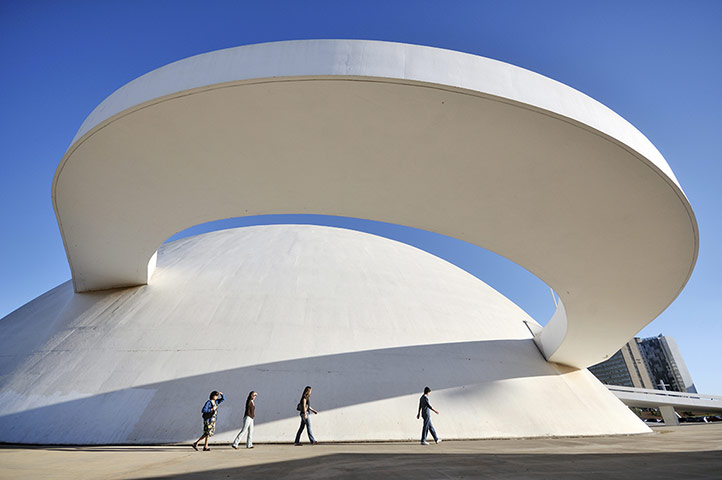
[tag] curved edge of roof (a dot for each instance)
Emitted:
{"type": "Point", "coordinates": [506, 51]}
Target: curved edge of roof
{"type": "Point", "coordinates": [360, 60]}
{"type": "Point", "coordinates": [371, 58]}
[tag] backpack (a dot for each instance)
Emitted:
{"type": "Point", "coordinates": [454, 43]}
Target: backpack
{"type": "Point", "coordinates": [299, 407]}
{"type": "Point", "coordinates": [206, 415]}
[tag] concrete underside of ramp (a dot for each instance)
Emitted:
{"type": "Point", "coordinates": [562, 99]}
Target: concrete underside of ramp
{"type": "Point", "coordinates": [366, 321]}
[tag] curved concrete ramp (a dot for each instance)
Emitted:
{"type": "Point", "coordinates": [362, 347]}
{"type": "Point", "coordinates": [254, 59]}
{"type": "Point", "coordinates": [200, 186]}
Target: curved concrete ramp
{"type": "Point", "coordinates": [443, 141]}
{"type": "Point", "coordinates": [368, 322]}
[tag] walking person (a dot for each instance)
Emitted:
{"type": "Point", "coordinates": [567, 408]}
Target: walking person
{"type": "Point", "coordinates": [209, 411]}
{"type": "Point", "coordinates": [304, 406]}
{"type": "Point", "coordinates": [247, 422]}
{"type": "Point", "coordinates": [424, 407]}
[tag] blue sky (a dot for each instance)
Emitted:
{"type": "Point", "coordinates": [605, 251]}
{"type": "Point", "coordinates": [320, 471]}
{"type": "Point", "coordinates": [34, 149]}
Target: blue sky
{"type": "Point", "coordinates": [656, 63]}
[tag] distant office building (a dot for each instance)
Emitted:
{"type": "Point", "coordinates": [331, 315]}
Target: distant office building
{"type": "Point", "coordinates": [665, 364]}
{"type": "Point", "coordinates": [627, 367]}
{"type": "Point", "coordinates": [654, 362]}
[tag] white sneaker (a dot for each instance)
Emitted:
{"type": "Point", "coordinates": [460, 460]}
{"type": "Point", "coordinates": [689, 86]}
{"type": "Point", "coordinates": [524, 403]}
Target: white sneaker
{"type": "Point", "coordinates": [438, 441]}
{"type": "Point", "coordinates": [424, 442]}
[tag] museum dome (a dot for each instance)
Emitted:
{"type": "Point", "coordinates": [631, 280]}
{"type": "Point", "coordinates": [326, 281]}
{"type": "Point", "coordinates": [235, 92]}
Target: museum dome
{"type": "Point", "coordinates": [365, 320]}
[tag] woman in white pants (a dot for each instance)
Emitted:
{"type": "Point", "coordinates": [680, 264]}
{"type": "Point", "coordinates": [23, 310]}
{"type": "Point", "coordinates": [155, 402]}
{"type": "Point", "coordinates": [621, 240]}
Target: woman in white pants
{"type": "Point", "coordinates": [247, 422]}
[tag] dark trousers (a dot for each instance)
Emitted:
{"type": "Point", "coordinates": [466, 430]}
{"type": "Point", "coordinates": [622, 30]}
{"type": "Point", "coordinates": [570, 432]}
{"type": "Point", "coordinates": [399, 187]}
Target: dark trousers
{"type": "Point", "coordinates": [305, 422]}
{"type": "Point", "coordinates": [428, 427]}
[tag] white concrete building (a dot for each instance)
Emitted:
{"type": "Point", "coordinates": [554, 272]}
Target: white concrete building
{"type": "Point", "coordinates": [366, 321]}
{"type": "Point", "coordinates": [443, 141]}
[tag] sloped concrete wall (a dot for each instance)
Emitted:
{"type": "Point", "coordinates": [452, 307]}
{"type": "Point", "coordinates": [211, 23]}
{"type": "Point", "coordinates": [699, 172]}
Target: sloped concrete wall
{"type": "Point", "coordinates": [366, 321]}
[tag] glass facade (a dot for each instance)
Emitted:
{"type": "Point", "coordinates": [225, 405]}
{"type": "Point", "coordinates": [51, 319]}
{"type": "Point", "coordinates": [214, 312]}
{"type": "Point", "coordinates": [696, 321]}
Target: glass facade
{"type": "Point", "coordinates": [613, 371]}
{"type": "Point", "coordinates": [666, 365]}
{"type": "Point", "coordinates": [653, 362]}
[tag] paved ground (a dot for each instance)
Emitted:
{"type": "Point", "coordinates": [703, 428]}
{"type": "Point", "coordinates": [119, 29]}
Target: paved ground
{"type": "Point", "coordinates": [685, 452]}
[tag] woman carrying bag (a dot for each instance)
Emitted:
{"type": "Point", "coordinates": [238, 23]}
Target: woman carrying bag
{"type": "Point", "coordinates": [304, 406]}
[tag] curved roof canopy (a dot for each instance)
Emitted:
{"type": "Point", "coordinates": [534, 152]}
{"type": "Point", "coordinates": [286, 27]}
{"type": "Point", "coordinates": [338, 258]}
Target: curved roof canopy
{"type": "Point", "coordinates": [443, 141]}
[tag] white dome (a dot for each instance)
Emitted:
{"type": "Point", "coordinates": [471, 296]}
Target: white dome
{"type": "Point", "coordinates": [366, 321]}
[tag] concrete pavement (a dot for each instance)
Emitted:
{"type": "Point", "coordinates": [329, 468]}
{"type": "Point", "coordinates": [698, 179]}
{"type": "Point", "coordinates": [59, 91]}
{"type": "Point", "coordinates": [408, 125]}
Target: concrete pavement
{"type": "Point", "coordinates": [688, 451]}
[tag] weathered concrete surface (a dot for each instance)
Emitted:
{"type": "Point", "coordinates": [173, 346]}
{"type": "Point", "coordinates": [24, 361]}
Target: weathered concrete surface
{"type": "Point", "coordinates": [689, 452]}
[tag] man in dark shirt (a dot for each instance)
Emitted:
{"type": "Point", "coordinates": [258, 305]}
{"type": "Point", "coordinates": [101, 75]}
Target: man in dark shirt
{"type": "Point", "coordinates": [424, 407]}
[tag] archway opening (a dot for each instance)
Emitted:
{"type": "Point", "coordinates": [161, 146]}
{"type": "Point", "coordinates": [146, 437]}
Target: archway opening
{"type": "Point", "coordinates": [510, 279]}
